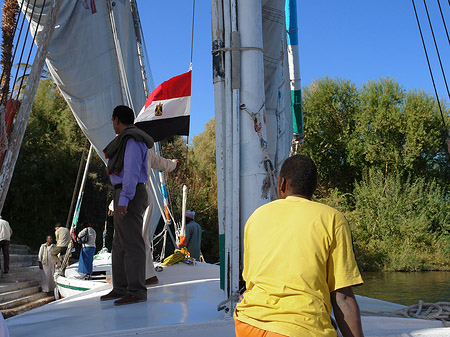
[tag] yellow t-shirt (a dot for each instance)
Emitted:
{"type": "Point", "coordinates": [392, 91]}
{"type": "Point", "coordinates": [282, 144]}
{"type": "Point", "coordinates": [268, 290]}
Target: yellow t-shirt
{"type": "Point", "coordinates": [296, 252]}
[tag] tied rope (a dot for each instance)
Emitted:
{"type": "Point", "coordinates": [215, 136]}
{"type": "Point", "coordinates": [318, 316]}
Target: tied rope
{"type": "Point", "coordinates": [439, 311]}
{"type": "Point", "coordinates": [267, 163]}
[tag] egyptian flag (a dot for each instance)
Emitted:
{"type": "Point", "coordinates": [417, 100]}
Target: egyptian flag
{"type": "Point", "coordinates": [166, 111]}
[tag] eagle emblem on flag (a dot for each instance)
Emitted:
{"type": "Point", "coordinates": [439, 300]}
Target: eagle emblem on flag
{"type": "Point", "coordinates": [158, 109]}
{"type": "Point", "coordinates": [172, 119]}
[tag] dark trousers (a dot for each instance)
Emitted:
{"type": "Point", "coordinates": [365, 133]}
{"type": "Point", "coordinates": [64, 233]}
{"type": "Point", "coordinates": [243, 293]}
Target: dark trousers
{"type": "Point", "coordinates": [58, 250]}
{"type": "Point", "coordinates": [128, 248]}
{"type": "Point", "coordinates": [4, 245]}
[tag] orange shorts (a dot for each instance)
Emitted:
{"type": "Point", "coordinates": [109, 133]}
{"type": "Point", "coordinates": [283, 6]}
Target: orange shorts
{"type": "Point", "coordinates": [246, 330]}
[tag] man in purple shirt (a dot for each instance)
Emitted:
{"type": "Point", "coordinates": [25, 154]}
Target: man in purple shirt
{"type": "Point", "coordinates": [127, 167]}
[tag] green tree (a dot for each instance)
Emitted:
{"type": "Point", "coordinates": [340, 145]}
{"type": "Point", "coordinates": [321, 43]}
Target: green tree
{"type": "Point", "coordinates": [380, 126]}
{"type": "Point", "coordinates": [400, 224]}
{"type": "Point", "coordinates": [379, 137]}
{"type": "Point", "coordinates": [424, 151]}
{"type": "Point", "coordinates": [46, 170]}
{"type": "Point", "coordinates": [198, 173]}
{"type": "Point", "coordinates": [330, 107]}
{"type": "Point", "coordinates": [205, 189]}
{"type": "Point", "coordinates": [398, 131]}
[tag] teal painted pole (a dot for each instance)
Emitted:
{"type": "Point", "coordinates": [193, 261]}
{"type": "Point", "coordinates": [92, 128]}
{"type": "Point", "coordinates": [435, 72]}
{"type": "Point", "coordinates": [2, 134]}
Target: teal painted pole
{"type": "Point", "coordinates": [294, 70]}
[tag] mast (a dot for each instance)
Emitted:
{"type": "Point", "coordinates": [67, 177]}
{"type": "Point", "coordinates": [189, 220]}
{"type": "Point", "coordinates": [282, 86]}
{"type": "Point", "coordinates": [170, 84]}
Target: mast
{"type": "Point", "coordinates": [18, 132]}
{"type": "Point", "coordinates": [238, 76]}
{"type": "Point", "coordinates": [81, 192]}
{"type": "Point", "coordinates": [253, 131]}
{"type": "Point", "coordinates": [218, 60]}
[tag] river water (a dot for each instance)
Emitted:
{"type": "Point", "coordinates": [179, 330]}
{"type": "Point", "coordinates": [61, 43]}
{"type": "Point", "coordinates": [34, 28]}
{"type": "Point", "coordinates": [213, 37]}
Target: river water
{"type": "Point", "coordinates": [406, 288]}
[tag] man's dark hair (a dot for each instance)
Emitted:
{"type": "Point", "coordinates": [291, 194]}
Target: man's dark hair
{"type": "Point", "coordinates": [124, 114]}
{"type": "Point", "coordinates": [85, 224]}
{"type": "Point", "coordinates": [300, 173]}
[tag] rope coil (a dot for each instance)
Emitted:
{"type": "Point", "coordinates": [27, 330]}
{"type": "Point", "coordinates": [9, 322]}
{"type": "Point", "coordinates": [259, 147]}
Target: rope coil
{"type": "Point", "coordinates": [439, 311]}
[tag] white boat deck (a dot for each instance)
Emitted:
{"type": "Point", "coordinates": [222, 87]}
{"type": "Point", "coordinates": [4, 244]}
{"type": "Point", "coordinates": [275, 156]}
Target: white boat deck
{"type": "Point", "coordinates": [183, 304]}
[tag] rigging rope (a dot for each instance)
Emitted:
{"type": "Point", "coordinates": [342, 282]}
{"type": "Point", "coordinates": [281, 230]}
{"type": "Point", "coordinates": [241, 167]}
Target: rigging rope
{"type": "Point", "coordinates": [123, 79]}
{"type": "Point", "coordinates": [4, 93]}
{"type": "Point", "coordinates": [437, 49]}
{"type": "Point", "coordinates": [428, 62]}
{"type": "Point", "coordinates": [24, 44]}
{"type": "Point", "coordinates": [192, 35]}
{"type": "Point", "coordinates": [32, 46]}
{"type": "Point", "coordinates": [439, 311]}
{"type": "Point", "coordinates": [443, 21]}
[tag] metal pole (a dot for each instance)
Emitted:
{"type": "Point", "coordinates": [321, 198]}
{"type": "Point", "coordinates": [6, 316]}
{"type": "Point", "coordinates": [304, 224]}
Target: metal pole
{"type": "Point", "coordinates": [228, 154]}
{"type": "Point", "coordinates": [218, 60]}
{"type": "Point", "coordinates": [81, 192]}
{"type": "Point", "coordinates": [252, 95]}
{"type": "Point", "coordinates": [83, 154]}
{"type": "Point", "coordinates": [182, 240]}
{"type": "Point", "coordinates": [235, 224]}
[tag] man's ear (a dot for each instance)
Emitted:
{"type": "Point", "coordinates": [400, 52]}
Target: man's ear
{"type": "Point", "coordinates": [282, 186]}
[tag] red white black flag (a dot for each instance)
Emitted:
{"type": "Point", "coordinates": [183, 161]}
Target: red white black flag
{"type": "Point", "coordinates": [167, 110]}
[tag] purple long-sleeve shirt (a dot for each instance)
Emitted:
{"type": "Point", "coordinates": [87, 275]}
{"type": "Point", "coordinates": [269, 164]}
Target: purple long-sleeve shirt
{"type": "Point", "coordinates": [134, 170]}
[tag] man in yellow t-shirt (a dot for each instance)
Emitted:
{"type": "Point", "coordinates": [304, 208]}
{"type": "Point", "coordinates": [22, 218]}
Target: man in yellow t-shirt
{"type": "Point", "coordinates": [298, 263]}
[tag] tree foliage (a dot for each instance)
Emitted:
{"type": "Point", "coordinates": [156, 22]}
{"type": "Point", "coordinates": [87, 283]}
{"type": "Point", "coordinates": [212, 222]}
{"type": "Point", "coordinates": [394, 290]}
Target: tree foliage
{"type": "Point", "coordinates": [198, 173]}
{"type": "Point", "coordinates": [330, 107]}
{"type": "Point", "coordinates": [400, 224]}
{"type": "Point", "coordinates": [46, 170]}
{"type": "Point", "coordinates": [380, 151]}
{"type": "Point", "coordinates": [382, 160]}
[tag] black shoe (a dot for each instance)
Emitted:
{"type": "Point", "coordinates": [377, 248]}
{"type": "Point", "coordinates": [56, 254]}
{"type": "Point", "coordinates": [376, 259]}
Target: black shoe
{"type": "Point", "coordinates": [129, 299]}
{"type": "Point", "coordinates": [6, 271]}
{"type": "Point", "coordinates": [112, 295]}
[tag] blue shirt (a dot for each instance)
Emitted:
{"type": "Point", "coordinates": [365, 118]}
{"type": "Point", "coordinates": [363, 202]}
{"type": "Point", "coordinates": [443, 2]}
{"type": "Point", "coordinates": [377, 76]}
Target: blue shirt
{"type": "Point", "coordinates": [134, 170]}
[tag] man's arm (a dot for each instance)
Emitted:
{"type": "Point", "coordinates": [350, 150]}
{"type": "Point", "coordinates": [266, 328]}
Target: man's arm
{"type": "Point", "coordinates": [41, 253]}
{"type": "Point", "coordinates": [346, 312]}
{"type": "Point", "coordinates": [159, 163]}
{"type": "Point", "coordinates": [131, 171]}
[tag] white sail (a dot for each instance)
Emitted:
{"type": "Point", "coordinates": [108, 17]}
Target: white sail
{"type": "Point", "coordinates": [276, 82]}
{"type": "Point", "coordinates": [95, 68]}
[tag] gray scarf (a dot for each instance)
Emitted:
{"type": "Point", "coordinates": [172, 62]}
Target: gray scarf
{"type": "Point", "coordinates": [115, 151]}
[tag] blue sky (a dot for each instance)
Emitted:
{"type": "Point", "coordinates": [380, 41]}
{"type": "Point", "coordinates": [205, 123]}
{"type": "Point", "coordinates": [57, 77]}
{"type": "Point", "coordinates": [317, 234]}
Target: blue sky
{"type": "Point", "coordinates": [354, 40]}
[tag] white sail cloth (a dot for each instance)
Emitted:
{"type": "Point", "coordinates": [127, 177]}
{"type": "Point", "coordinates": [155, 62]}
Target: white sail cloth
{"type": "Point", "coordinates": [93, 58]}
{"type": "Point", "coordinates": [278, 104]}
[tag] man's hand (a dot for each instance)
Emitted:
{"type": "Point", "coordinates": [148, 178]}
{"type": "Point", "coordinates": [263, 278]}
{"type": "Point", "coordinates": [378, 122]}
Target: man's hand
{"type": "Point", "coordinates": [346, 312]}
{"type": "Point", "coordinates": [121, 211]}
{"type": "Point", "coordinates": [110, 213]}
{"type": "Point", "coordinates": [178, 164]}
{"type": "Point", "coordinates": [40, 265]}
